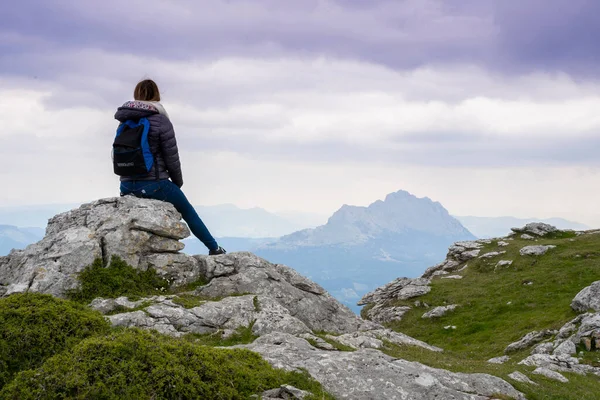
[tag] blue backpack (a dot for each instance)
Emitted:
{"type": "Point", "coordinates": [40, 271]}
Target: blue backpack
{"type": "Point", "coordinates": [131, 152]}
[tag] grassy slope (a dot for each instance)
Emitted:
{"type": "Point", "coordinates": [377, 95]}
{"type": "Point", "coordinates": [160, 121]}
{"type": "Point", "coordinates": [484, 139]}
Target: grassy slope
{"type": "Point", "coordinates": [497, 308]}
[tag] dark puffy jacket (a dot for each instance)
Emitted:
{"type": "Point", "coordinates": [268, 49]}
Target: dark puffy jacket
{"type": "Point", "coordinates": [161, 139]}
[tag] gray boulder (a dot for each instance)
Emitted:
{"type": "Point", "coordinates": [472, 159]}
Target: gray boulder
{"type": "Point", "coordinates": [382, 314]}
{"type": "Point", "coordinates": [587, 299]}
{"type": "Point", "coordinates": [520, 377]}
{"type": "Point", "coordinates": [370, 374]}
{"type": "Point", "coordinates": [244, 272]}
{"type": "Point", "coordinates": [440, 311]}
{"type": "Point", "coordinates": [498, 360]}
{"type": "Point", "coordinates": [536, 228]}
{"type": "Point", "coordinates": [529, 339]}
{"type": "Point", "coordinates": [262, 313]}
{"type": "Point", "coordinates": [550, 374]}
{"type": "Point", "coordinates": [142, 232]}
{"type": "Point", "coordinates": [535, 250]}
{"type": "Point", "coordinates": [398, 289]}
{"type": "Point", "coordinates": [283, 392]}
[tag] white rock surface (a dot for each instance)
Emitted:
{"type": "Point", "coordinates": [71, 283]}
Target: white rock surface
{"type": "Point", "coordinates": [398, 289]}
{"type": "Point", "coordinates": [520, 377]}
{"type": "Point", "coordinates": [550, 374]}
{"type": "Point", "coordinates": [536, 228]}
{"type": "Point", "coordinates": [529, 339]}
{"type": "Point", "coordinates": [492, 254]}
{"type": "Point", "coordinates": [499, 360]}
{"type": "Point", "coordinates": [587, 299]}
{"type": "Point", "coordinates": [368, 374]}
{"type": "Point", "coordinates": [535, 250]}
{"type": "Point", "coordinates": [438, 312]}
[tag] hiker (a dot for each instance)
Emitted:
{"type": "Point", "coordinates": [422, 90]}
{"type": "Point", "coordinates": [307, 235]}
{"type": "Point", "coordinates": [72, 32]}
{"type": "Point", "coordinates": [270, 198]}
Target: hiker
{"type": "Point", "coordinates": [145, 155]}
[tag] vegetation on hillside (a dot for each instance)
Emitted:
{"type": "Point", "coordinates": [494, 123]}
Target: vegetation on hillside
{"type": "Point", "coordinates": [52, 348]}
{"type": "Point", "coordinates": [499, 305]}
{"type": "Point", "coordinates": [34, 327]}
{"type": "Point", "coordinates": [136, 364]}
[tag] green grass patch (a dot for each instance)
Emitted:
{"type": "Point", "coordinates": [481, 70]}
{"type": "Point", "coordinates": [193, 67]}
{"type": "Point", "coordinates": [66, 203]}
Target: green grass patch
{"type": "Point", "coordinates": [115, 280]}
{"type": "Point", "coordinates": [188, 300]}
{"type": "Point", "coordinates": [122, 309]}
{"type": "Point", "coordinates": [34, 327]}
{"type": "Point", "coordinates": [242, 335]}
{"type": "Point", "coordinates": [497, 307]}
{"type": "Point", "coordinates": [256, 304]}
{"type": "Point", "coordinates": [135, 364]}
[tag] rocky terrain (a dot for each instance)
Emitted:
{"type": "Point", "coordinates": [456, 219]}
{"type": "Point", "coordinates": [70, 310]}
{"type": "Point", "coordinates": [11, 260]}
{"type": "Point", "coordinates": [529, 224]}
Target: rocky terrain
{"type": "Point", "coordinates": [557, 352]}
{"type": "Point", "coordinates": [298, 324]}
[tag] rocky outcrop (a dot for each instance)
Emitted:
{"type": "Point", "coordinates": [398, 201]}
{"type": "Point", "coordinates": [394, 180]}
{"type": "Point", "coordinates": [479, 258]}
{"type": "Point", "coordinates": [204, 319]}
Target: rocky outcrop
{"type": "Point", "coordinates": [587, 299]}
{"type": "Point", "coordinates": [520, 377]}
{"type": "Point", "coordinates": [529, 340]}
{"type": "Point", "coordinates": [369, 374]}
{"type": "Point", "coordinates": [535, 250]}
{"type": "Point", "coordinates": [536, 228]}
{"type": "Point", "coordinates": [144, 233]}
{"type": "Point", "coordinates": [399, 289]}
{"type": "Point", "coordinates": [304, 299]}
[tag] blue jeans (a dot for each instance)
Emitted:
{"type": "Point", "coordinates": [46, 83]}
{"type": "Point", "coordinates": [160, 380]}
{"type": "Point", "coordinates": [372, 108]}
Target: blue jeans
{"type": "Point", "coordinates": [166, 190]}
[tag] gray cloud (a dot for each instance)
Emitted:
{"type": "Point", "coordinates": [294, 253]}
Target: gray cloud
{"type": "Point", "coordinates": [508, 35]}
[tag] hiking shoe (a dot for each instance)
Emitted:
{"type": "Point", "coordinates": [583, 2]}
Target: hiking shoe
{"type": "Point", "coordinates": [217, 251]}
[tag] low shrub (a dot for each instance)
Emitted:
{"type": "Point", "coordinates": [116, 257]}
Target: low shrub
{"type": "Point", "coordinates": [135, 364]}
{"type": "Point", "coordinates": [115, 280]}
{"type": "Point", "coordinates": [34, 327]}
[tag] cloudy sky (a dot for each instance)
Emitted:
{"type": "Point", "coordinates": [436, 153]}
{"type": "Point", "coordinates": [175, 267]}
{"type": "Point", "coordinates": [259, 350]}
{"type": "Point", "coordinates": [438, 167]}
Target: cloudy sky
{"type": "Point", "coordinates": [490, 107]}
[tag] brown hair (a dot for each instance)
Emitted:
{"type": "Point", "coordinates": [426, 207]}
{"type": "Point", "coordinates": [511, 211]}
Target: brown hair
{"type": "Point", "coordinates": [146, 90]}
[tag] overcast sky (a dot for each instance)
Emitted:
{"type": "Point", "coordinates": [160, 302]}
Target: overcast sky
{"type": "Point", "coordinates": [490, 107]}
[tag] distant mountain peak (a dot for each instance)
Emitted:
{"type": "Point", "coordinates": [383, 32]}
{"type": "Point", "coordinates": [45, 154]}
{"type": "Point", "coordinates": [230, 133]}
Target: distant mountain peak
{"type": "Point", "coordinates": [400, 212]}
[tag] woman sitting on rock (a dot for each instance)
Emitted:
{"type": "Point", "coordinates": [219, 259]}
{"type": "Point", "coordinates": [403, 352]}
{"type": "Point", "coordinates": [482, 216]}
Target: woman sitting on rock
{"type": "Point", "coordinates": [155, 183]}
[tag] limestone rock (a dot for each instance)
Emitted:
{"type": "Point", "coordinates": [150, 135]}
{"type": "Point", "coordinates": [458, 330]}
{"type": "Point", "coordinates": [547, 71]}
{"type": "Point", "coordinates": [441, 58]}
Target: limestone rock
{"type": "Point", "coordinates": [503, 243]}
{"type": "Point", "coordinates": [535, 250]}
{"type": "Point", "coordinates": [527, 237]}
{"type": "Point", "coordinates": [247, 273]}
{"type": "Point", "coordinates": [317, 341]}
{"type": "Point", "coordinates": [374, 340]}
{"type": "Point", "coordinates": [439, 311]}
{"type": "Point", "coordinates": [502, 264]}
{"type": "Point", "coordinates": [492, 254]}
{"type": "Point", "coordinates": [398, 289]}
{"type": "Point", "coordinates": [228, 314]}
{"type": "Point", "coordinates": [284, 392]}
{"type": "Point", "coordinates": [543, 348]}
{"type": "Point", "coordinates": [536, 228]}
{"type": "Point", "coordinates": [567, 347]}
{"type": "Point", "coordinates": [528, 340]}
{"type": "Point", "coordinates": [369, 374]}
{"type": "Point", "coordinates": [498, 360]}
{"type": "Point", "coordinates": [560, 362]}
{"type": "Point", "coordinates": [142, 232]}
{"type": "Point", "coordinates": [520, 377]}
{"type": "Point", "coordinates": [382, 314]}
{"type": "Point", "coordinates": [550, 374]}
{"type": "Point", "coordinates": [445, 267]}
{"type": "Point", "coordinates": [456, 277]}
{"type": "Point", "coordinates": [587, 299]}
